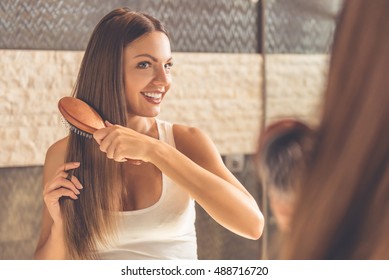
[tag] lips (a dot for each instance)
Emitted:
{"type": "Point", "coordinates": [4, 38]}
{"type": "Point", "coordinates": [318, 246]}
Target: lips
{"type": "Point", "coordinates": [153, 97]}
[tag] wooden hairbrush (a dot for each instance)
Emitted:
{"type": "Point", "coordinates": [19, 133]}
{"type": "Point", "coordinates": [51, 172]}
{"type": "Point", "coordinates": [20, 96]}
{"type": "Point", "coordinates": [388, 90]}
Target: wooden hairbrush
{"type": "Point", "coordinates": [82, 118]}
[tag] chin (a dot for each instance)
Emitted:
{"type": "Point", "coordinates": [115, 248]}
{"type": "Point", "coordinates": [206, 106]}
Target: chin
{"type": "Point", "coordinates": [156, 112]}
{"type": "Point", "coordinates": [151, 114]}
{"type": "Point", "coordinates": [145, 114]}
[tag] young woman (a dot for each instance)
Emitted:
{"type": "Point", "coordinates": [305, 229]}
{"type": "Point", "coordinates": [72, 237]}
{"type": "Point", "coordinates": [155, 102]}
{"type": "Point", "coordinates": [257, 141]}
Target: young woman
{"type": "Point", "coordinates": [134, 184]}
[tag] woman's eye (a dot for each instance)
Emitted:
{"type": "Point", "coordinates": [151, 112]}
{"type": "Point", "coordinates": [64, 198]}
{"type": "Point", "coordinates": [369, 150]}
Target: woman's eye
{"type": "Point", "coordinates": [143, 65]}
{"type": "Point", "coordinates": [168, 65]}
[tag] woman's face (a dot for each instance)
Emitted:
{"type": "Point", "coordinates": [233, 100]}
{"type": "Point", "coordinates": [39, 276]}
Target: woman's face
{"type": "Point", "coordinates": [147, 63]}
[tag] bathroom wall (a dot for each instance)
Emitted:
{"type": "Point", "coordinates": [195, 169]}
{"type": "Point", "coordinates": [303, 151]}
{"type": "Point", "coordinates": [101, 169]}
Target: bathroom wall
{"type": "Point", "coordinates": [238, 64]}
{"type": "Point", "coordinates": [41, 46]}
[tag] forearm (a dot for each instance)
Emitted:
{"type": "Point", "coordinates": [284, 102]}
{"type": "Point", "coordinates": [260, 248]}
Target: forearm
{"type": "Point", "coordinates": [227, 204]}
{"type": "Point", "coordinates": [54, 247]}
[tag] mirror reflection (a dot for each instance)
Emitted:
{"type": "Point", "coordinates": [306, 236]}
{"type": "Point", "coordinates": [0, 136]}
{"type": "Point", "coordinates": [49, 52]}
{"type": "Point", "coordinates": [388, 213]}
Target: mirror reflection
{"type": "Point", "coordinates": [235, 70]}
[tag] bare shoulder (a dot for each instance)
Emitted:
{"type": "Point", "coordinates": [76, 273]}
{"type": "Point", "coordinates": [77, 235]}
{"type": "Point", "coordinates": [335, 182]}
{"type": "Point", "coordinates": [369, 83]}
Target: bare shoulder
{"type": "Point", "coordinates": [184, 131]}
{"type": "Point", "coordinates": [58, 149]}
{"type": "Point", "coordinates": [55, 156]}
{"type": "Point", "coordinates": [195, 144]}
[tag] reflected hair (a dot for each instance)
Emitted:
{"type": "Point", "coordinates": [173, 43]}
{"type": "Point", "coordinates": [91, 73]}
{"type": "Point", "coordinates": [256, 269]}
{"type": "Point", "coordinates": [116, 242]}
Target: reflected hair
{"type": "Point", "coordinates": [283, 156]}
{"type": "Point", "coordinates": [88, 220]}
{"type": "Point", "coordinates": [343, 211]}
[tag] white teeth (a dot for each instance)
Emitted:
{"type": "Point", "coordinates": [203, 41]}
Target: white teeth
{"type": "Point", "coordinates": [153, 94]}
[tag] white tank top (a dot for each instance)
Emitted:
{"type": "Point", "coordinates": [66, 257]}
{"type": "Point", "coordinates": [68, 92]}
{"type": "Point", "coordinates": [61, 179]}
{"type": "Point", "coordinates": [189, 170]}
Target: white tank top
{"type": "Point", "coordinates": [165, 230]}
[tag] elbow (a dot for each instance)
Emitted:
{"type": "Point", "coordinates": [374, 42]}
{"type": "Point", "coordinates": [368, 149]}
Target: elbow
{"type": "Point", "coordinates": [256, 229]}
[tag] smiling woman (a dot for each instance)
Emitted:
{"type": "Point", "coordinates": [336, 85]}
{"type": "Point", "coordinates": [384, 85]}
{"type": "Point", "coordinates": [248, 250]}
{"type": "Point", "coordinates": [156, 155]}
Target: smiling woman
{"type": "Point", "coordinates": [111, 208]}
{"type": "Point", "coordinates": [147, 63]}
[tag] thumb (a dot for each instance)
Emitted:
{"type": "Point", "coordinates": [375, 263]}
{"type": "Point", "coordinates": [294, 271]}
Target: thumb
{"type": "Point", "coordinates": [107, 123]}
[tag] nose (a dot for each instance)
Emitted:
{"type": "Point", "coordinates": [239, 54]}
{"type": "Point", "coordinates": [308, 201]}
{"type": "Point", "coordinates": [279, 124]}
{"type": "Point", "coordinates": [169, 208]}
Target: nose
{"type": "Point", "coordinates": [162, 76]}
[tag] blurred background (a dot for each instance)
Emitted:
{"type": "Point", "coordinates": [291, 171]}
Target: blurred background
{"type": "Point", "coordinates": [238, 65]}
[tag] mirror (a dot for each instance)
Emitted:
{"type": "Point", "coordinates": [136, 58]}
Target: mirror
{"type": "Point", "coordinates": [238, 66]}
{"type": "Point", "coordinates": [297, 39]}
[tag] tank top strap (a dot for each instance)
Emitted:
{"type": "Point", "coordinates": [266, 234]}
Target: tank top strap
{"type": "Point", "coordinates": [165, 131]}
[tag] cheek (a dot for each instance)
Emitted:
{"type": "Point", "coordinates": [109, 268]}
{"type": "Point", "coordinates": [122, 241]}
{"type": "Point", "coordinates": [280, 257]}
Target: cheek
{"type": "Point", "coordinates": [135, 82]}
{"type": "Point", "coordinates": [167, 88]}
{"type": "Point", "coordinates": [169, 82]}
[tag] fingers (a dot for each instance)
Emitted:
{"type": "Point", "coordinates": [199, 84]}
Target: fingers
{"type": "Point", "coordinates": [107, 145]}
{"type": "Point", "coordinates": [114, 141]}
{"type": "Point", "coordinates": [115, 151]}
{"type": "Point", "coordinates": [61, 192]}
{"type": "Point", "coordinates": [134, 161]}
{"type": "Point", "coordinates": [52, 197]}
{"type": "Point", "coordinates": [70, 175]}
{"type": "Point", "coordinates": [62, 184]}
{"type": "Point", "coordinates": [100, 134]}
{"type": "Point", "coordinates": [109, 141]}
{"type": "Point", "coordinates": [61, 172]}
{"type": "Point", "coordinates": [68, 166]}
{"type": "Point", "coordinates": [61, 181]}
{"type": "Point", "coordinates": [76, 182]}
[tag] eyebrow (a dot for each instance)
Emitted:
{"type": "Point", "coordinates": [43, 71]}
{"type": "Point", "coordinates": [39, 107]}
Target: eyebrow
{"type": "Point", "coordinates": [150, 56]}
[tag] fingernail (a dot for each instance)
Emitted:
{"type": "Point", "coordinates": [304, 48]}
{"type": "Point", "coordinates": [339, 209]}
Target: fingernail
{"type": "Point", "coordinates": [76, 164]}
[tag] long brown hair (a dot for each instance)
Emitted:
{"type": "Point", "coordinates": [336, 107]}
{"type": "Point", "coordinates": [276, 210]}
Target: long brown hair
{"type": "Point", "coordinates": [283, 155]}
{"type": "Point", "coordinates": [88, 221]}
{"type": "Point", "coordinates": [343, 210]}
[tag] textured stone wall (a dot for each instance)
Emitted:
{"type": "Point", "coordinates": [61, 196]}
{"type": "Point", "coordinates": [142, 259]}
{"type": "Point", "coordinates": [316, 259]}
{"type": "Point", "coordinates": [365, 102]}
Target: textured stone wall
{"type": "Point", "coordinates": [221, 93]}
{"type": "Point", "coordinates": [30, 86]}
{"type": "Point", "coordinates": [294, 85]}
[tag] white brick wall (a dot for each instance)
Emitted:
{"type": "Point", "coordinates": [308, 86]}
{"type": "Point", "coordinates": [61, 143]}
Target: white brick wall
{"type": "Point", "coordinates": [295, 84]}
{"type": "Point", "coordinates": [220, 93]}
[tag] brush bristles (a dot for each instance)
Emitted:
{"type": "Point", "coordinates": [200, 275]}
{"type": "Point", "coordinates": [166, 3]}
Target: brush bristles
{"type": "Point", "coordinates": [75, 130]}
{"type": "Point", "coordinates": [80, 132]}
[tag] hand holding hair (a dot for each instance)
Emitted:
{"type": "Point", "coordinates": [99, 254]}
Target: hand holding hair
{"type": "Point", "coordinates": [61, 186]}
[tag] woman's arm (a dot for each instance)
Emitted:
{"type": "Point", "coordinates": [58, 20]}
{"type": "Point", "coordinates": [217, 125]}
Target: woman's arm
{"type": "Point", "coordinates": [196, 166]}
{"type": "Point", "coordinates": [51, 244]}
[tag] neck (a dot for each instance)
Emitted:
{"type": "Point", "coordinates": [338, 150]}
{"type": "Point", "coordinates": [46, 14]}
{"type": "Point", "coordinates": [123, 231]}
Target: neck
{"type": "Point", "coordinates": [144, 125]}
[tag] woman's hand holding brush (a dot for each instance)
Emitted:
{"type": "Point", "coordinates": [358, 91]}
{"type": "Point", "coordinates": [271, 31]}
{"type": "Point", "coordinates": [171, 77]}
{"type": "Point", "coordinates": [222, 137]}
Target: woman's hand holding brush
{"type": "Point", "coordinates": [123, 144]}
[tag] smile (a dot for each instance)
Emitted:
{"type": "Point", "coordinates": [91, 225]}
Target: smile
{"type": "Point", "coordinates": [153, 97]}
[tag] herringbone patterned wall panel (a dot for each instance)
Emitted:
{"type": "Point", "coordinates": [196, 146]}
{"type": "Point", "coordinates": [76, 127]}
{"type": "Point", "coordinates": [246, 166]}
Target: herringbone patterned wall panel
{"type": "Point", "coordinates": [20, 211]}
{"type": "Point", "coordinates": [211, 25]}
{"type": "Point", "coordinates": [299, 26]}
{"type": "Point", "coordinates": [195, 26]}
